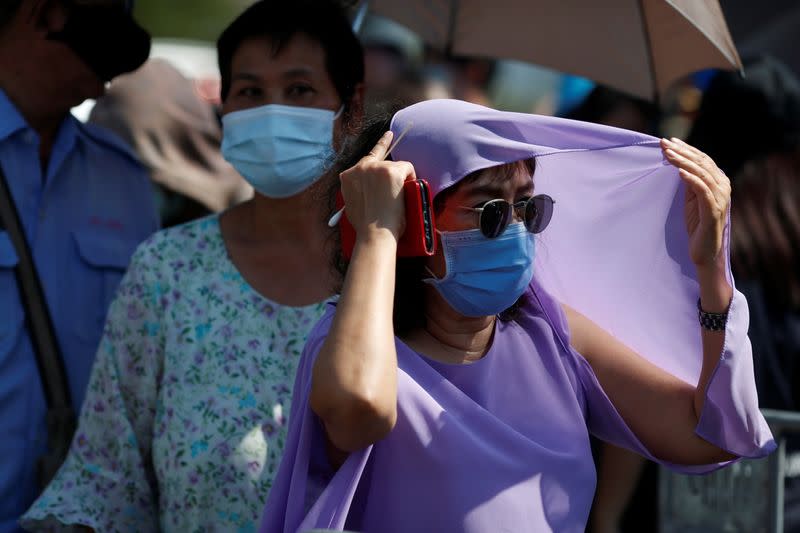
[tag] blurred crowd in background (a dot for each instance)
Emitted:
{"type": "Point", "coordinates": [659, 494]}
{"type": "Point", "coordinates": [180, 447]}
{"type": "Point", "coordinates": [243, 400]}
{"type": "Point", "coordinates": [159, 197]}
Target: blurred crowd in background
{"type": "Point", "coordinates": [399, 69]}
{"type": "Point", "coordinates": [169, 112]}
{"type": "Point", "coordinates": [750, 125]}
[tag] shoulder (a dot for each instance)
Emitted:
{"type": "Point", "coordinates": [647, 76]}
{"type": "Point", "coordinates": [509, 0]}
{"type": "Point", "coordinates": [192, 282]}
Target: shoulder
{"type": "Point", "coordinates": [181, 248]}
{"type": "Point", "coordinates": [107, 143]}
{"type": "Point", "coordinates": [579, 326]}
{"type": "Point", "coordinates": [320, 331]}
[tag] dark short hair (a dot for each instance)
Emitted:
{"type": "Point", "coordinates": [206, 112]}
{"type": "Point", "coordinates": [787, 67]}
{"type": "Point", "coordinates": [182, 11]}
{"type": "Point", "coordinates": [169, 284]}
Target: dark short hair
{"type": "Point", "coordinates": [409, 302]}
{"type": "Point", "coordinates": [8, 9]}
{"type": "Point", "coordinates": [279, 20]}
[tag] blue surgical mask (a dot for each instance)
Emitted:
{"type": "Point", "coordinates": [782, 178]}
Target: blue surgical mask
{"type": "Point", "coordinates": [485, 276]}
{"type": "Point", "coordinates": [280, 150]}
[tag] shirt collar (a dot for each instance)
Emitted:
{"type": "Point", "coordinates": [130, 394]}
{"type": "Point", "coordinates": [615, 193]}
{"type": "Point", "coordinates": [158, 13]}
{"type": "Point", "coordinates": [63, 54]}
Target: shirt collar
{"type": "Point", "coordinates": [11, 120]}
{"type": "Point", "coordinates": [64, 143]}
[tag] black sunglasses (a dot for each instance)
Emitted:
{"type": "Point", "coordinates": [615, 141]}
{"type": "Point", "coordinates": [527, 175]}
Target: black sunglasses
{"type": "Point", "coordinates": [496, 215]}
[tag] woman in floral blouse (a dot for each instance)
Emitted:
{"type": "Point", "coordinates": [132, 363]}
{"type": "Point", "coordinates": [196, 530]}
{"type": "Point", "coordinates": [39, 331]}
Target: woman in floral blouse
{"type": "Point", "coordinates": [184, 421]}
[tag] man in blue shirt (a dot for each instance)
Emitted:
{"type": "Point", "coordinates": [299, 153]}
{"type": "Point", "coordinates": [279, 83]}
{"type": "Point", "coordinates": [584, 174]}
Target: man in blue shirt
{"type": "Point", "coordinates": [83, 199]}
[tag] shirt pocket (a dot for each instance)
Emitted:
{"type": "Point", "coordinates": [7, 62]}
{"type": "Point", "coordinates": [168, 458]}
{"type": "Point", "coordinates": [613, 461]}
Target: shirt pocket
{"type": "Point", "coordinates": [102, 262]}
{"type": "Point", "coordinates": [11, 313]}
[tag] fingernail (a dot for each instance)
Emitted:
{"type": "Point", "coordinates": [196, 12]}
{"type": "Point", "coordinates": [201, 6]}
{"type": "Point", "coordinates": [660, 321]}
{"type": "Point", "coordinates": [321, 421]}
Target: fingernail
{"type": "Point", "coordinates": [675, 139]}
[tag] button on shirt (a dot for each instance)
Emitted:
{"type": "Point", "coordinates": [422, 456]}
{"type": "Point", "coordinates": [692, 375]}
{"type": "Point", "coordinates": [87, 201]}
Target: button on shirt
{"type": "Point", "coordinates": [83, 217]}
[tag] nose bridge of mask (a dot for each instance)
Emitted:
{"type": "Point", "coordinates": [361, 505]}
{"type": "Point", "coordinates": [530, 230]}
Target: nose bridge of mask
{"type": "Point", "coordinates": [304, 124]}
{"type": "Point", "coordinates": [471, 251]}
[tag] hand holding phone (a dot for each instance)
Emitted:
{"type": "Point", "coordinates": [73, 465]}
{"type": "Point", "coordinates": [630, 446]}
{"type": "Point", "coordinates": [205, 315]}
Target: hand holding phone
{"type": "Point", "coordinates": [419, 237]}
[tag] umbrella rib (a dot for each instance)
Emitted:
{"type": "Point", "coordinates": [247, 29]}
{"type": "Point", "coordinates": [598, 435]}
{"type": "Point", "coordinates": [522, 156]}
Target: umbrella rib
{"type": "Point", "coordinates": [451, 27]}
{"type": "Point", "coordinates": [649, 50]}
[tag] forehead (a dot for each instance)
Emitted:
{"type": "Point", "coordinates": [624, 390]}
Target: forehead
{"type": "Point", "coordinates": [262, 53]}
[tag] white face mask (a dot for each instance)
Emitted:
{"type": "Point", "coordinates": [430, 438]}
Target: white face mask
{"type": "Point", "coordinates": [280, 150]}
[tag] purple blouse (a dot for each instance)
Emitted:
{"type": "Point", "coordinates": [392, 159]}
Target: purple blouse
{"type": "Point", "coordinates": [503, 444]}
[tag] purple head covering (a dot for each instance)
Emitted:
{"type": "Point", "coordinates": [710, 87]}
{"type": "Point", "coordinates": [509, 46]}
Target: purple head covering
{"type": "Point", "coordinates": [616, 249]}
{"type": "Point", "coordinates": [502, 444]}
{"type": "Point", "coordinates": [449, 139]}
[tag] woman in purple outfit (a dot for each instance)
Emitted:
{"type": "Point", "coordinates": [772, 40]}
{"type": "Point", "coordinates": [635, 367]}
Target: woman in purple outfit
{"type": "Point", "coordinates": [457, 393]}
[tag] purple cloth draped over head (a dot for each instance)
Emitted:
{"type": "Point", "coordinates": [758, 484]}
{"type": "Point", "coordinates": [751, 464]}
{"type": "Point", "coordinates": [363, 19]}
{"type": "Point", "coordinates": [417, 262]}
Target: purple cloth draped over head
{"type": "Point", "coordinates": [616, 250]}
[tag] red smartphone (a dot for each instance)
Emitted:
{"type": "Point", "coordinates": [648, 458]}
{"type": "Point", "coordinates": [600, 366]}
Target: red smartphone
{"type": "Point", "coordinates": [419, 238]}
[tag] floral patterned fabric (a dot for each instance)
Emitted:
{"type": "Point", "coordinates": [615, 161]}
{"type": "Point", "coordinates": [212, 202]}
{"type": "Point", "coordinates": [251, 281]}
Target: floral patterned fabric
{"type": "Point", "coordinates": [184, 420]}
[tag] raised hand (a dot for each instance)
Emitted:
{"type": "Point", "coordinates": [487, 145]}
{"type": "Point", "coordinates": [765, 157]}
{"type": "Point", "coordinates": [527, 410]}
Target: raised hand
{"type": "Point", "coordinates": [373, 191]}
{"type": "Point", "coordinates": [708, 195]}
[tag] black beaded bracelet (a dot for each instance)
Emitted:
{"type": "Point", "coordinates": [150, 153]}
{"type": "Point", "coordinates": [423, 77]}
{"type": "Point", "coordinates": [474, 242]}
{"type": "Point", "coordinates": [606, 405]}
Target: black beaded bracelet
{"type": "Point", "coordinates": [712, 321]}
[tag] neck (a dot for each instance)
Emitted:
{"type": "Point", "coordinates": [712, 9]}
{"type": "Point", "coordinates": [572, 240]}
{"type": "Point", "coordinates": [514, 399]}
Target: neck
{"type": "Point", "coordinates": [454, 338]}
{"type": "Point", "coordinates": [29, 99]}
{"type": "Point", "coordinates": [291, 221]}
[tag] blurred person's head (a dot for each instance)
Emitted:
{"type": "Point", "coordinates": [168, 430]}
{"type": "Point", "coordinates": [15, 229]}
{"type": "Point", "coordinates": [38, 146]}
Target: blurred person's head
{"type": "Point", "coordinates": [604, 105]}
{"type": "Point", "coordinates": [300, 53]}
{"type": "Point", "coordinates": [54, 54]}
{"type": "Point", "coordinates": [292, 87]}
{"type": "Point", "coordinates": [391, 53]}
{"type": "Point", "coordinates": [744, 118]}
{"type": "Point", "coordinates": [765, 221]}
{"type": "Point", "coordinates": [177, 135]}
{"type": "Point", "coordinates": [459, 77]}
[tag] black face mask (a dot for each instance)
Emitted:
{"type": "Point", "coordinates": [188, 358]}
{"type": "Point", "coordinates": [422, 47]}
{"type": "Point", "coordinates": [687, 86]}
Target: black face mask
{"type": "Point", "coordinates": [106, 38]}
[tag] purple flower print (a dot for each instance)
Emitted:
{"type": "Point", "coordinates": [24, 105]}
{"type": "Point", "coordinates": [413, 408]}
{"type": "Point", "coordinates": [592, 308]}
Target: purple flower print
{"type": "Point", "coordinates": [224, 450]}
{"type": "Point", "coordinates": [205, 399]}
{"type": "Point", "coordinates": [134, 311]}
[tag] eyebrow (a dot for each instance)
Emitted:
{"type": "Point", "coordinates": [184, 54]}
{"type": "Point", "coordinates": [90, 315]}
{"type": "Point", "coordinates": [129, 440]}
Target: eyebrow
{"type": "Point", "coordinates": [291, 73]}
{"type": "Point", "coordinates": [246, 76]}
{"type": "Point", "coordinates": [493, 189]}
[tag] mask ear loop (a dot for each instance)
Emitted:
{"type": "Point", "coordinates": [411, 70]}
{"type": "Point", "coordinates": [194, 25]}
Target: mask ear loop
{"type": "Point", "coordinates": [432, 275]}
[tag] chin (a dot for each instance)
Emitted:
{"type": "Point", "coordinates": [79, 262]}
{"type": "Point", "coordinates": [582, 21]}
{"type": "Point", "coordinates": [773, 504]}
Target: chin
{"type": "Point", "coordinates": [94, 90]}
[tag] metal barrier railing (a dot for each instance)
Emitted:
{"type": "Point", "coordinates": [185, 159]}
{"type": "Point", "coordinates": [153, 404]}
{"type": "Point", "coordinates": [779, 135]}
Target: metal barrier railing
{"type": "Point", "coordinates": [746, 497]}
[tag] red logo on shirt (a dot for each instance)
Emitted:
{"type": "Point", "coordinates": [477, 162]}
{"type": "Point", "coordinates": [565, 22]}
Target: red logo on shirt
{"type": "Point", "coordinates": [109, 223]}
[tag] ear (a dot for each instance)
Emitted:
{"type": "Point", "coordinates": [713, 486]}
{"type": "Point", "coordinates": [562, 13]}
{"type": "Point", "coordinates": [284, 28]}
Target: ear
{"type": "Point", "coordinates": [355, 111]}
{"type": "Point", "coordinates": [46, 16]}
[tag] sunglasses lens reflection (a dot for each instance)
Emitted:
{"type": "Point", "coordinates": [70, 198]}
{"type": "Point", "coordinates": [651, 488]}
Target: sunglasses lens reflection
{"type": "Point", "coordinates": [495, 217]}
{"type": "Point", "coordinates": [538, 212]}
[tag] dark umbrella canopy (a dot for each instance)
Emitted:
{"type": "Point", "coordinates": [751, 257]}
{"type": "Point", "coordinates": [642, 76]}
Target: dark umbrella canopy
{"type": "Point", "coordinates": [640, 47]}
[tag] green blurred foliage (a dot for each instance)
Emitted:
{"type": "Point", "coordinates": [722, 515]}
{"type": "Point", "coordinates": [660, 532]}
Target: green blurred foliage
{"type": "Point", "coordinates": [188, 19]}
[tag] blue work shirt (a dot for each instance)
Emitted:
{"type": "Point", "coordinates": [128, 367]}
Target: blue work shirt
{"type": "Point", "coordinates": [83, 218]}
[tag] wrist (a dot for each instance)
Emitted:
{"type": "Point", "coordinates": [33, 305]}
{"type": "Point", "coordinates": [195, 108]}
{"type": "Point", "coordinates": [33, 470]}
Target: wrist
{"type": "Point", "coordinates": [715, 290]}
{"type": "Point", "coordinates": [377, 236]}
